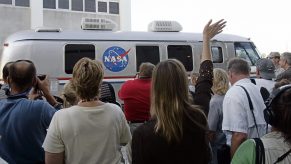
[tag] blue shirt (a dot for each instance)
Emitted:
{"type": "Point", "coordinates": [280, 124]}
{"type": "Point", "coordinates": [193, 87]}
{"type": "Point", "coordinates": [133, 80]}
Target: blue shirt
{"type": "Point", "coordinates": [23, 125]}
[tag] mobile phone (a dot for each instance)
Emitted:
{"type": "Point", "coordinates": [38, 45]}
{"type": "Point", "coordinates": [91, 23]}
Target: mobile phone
{"type": "Point", "coordinates": [41, 77]}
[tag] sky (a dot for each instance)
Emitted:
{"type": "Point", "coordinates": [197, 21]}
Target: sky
{"type": "Point", "coordinates": [266, 22]}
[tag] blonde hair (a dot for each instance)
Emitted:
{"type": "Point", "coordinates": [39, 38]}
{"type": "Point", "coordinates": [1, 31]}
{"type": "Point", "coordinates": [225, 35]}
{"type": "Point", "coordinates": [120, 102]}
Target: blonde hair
{"type": "Point", "coordinates": [169, 100]}
{"type": "Point", "coordinates": [220, 81]}
{"type": "Point", "coordinates": [87, 77]}
{"type": "Point", "coordinates": [69, 95]}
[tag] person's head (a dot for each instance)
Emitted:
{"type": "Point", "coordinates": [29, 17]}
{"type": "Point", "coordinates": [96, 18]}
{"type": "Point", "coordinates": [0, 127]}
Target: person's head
{"type": "Point", "coordinates": [146, 70]}
{"type": "Point", "coordinates": [22, 75]}
{"type": "Point", "coordinates": [194, 76]}
{"type": "Point", "coordinates": [169, 98]}
{"type": "Point", "coordinates": [69, 95]}
{"type": "Point", "coordinates": [87, 77]}
{"type": "Point", "coordinates": [281, 83]}
{"type": "Point", "coordinates": [220, 81]}
{"type": "Point", "coordinates": [265, 69]}
{"type": "Point", "coordinates": [278, 111]}
{"type": "Point", "coordinates": [238, 69]}
{"type": "Point", "coordinates": [5, 71]}
{"type": "Point", "coordinates": [285, 60]}
{"type": "Point", "coordinates": [275, 57]}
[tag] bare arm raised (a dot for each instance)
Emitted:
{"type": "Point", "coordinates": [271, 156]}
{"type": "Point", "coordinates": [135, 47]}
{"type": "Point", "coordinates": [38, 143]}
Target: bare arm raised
{"type": "Point", "coordinates": [204, 83]}
{"type": "Point", "coordinates": [210, 30]}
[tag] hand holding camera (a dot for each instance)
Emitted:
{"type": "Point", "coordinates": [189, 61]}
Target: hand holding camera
{"type": "Point", "coordinates": [41, 87]}
{"type": "Point", "coordinates": [43, 84]}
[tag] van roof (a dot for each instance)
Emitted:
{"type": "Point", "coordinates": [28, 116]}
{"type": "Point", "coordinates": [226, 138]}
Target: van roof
{"type": "Point", "coordinates": [92, 35]}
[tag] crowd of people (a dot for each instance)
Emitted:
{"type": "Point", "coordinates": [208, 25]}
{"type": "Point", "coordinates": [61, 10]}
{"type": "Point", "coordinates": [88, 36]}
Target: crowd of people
{"type": "Point", "coordinates": [220, 116]}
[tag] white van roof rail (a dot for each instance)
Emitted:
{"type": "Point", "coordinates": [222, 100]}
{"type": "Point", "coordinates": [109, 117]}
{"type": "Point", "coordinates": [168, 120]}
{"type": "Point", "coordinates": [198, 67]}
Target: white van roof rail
{"type": "Point", "coordinates": [98, 24]}
{"type": "Point", "coordinates": [47, 29]}
{"type": "Point", "coordinates": [164, 26]}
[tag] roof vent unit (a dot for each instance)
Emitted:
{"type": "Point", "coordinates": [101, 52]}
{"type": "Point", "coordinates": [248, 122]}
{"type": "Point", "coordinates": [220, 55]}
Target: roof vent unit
{"type": "Point", "coordinates": [47, 29]}
{"type": "Point", "coordinates": [98, 24]}
{"type": "Point", "coordinates": [164, 26]}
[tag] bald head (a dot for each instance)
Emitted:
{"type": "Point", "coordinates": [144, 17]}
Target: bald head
{"type": "Point", "coordinates": [22, 73]}
{"type": "Point", "coordinates": [5, 71]}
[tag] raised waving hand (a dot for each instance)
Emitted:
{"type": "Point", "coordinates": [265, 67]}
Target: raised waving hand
{"type": "Point", "coordinates": [210, 30]}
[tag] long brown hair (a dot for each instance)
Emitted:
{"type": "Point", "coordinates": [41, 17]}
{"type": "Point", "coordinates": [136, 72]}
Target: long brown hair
{"type": "Point", "coordinates": [281, 108]}
{"type": "Point", "coordinates": [169, 99]}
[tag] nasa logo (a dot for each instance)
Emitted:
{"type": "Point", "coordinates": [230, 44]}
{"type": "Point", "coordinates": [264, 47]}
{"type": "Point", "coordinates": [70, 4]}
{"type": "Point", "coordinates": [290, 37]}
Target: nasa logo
{"type": "Point", "coordinates": [115, 58]}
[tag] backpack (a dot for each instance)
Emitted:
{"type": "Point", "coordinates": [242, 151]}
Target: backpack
{"type": "Point", "coordinates": [264, 91]}
{"type": "Point", "coordinates": [260, 153]}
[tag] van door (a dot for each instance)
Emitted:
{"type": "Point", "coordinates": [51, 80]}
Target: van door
{"type": "Point", "coordinates": [219, 55]}
{"type": "Point", "coordinates": [147, 52]}
{"type": "Point", "coordinates": [183, 53]}
{"type": "Point", "coordinates": [73, 52]}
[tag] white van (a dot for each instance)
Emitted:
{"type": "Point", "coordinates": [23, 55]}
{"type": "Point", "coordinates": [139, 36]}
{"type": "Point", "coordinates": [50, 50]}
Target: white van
{"type": "Point", "coordinates": [55, 52]}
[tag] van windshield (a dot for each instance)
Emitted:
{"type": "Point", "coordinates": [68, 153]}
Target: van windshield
{"type": "Point", "coordinates": [247, 51]}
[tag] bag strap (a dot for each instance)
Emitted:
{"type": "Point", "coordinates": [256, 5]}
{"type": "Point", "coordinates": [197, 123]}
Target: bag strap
{"type": "Point", "coordinates": [253, 81]}
{"type": "Point", "coordinates": [260, 151]}
{"type": "Point", "coordinates": [283, 156]}
{"type": "Point", "coordinates": [251, 107]}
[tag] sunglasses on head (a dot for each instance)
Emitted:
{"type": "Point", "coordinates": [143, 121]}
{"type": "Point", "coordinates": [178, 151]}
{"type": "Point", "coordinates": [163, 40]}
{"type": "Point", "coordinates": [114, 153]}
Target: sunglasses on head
{"type": "Point", "coordinates": [23, 60]}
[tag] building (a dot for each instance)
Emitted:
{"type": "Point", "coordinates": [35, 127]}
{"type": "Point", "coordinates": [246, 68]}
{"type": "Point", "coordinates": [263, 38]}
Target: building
{"type": "Point", "coordinates": [17, 15]}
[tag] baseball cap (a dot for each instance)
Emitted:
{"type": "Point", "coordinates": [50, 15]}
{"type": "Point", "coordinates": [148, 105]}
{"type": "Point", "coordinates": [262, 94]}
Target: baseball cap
{"type": "Point", "coordinates": [266, 68]}
{"type": "Point", "coordinates": [274, 54]}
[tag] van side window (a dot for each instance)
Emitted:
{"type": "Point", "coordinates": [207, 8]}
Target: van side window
{"type": "Point", "coordinates": [74, 52]}
{"type": "Point", "coordinates": [147, 54]}
{"type": "Point", "coordinates": [217, 56]}
{"type": "Point", "coordinates": [246, 51]}
{"type": "Point", "coordinates": [183, 53]}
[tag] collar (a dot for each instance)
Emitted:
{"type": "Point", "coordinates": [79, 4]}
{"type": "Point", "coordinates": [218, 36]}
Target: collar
{"type": "Point", "coordinates": [20, 95]}
{"type": "Point", "coordinates": [241, 81]}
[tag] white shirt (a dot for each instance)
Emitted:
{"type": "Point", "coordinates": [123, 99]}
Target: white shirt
{"type": "Point", "coordinates": [268, 84]}
{"type": "Point", "coordinates": [2, 161]}
{"type": "Point", "coordinates": [88, 134]}
{"type": "Point", "coordinates": [237, 116]}
{"type": "Point", "coordinates": [275, 146]}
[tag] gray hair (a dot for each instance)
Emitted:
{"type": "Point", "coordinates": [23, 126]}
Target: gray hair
{"type": "Point", "coordinates": [286, 56]}
{"type": "Point", "coordinates": [239, 66]}
{"type": "Point", "coordinates": [146, 69]}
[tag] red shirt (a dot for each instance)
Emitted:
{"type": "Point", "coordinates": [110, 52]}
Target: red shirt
{"type": "Point", "coordinates": [136, 96]}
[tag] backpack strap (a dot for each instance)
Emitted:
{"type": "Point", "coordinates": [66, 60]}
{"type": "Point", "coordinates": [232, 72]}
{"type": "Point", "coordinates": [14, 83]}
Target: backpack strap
{"type": "Point", "coordinates": [253, 81]}
{"type": "Point", "coordinates": [260, 151]}
{"type": "Point", "coordinates": [283, 156]}
{"type": "Point", "coordinates": [251, 108]}
{"type": "Point", "coordinates": [265, 93]}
